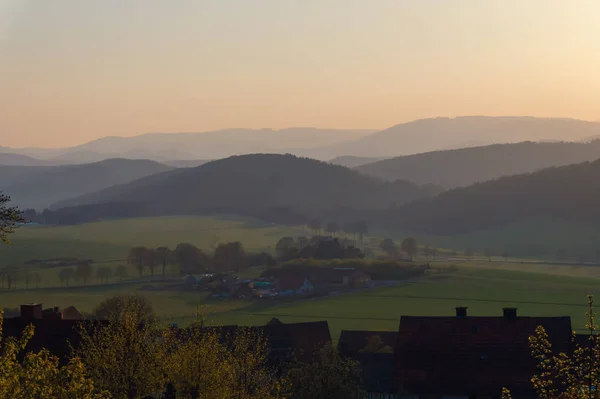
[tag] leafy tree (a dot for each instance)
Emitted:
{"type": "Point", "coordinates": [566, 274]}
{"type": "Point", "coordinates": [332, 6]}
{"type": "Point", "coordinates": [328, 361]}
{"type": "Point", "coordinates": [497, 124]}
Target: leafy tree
{"type": "Point", "coordinates": [328, 376]}
{"type": "Point", "coordinates": [409, 246]}
{"type": "Point", "coordinates": [65, 275]}
{"type": "Point", "coordinates": [151, 260]}
{"type": "Point", "coordinates": [124, 356]}
{"type": "Point", "coordinates": [163, 255]}
{"type": "Point", "coordinates": [261, 259]}
{"type": "Point", "coordinates": [388, 246]}
{"type": "Point", "coordinates": [13, 274]}
{"type": "Point", "coordinates": [332, 228]}
{"type": "Point", "coordinates": [121, 272]}
{"type": "Point", "coordinates": [27, 278]}
{"type": "Point", "coordinates": [505, 256]}
{"type": "Point", "coordinates": [230, 256]}
{"type": "Point", "coordinates": [103, 273]}
{"type": "Point", "coordinates": [39, 375]}
{"type": "Point", "coordinates": [10, 218]}
{"type": "Point", "coordinates": [191, 259]}
{"type": "Point", "coordinates": [83, 272]}
{"type": "Point", "coordinates": [117, 306]}
{"type": "Point", "coordinates": [137, 258]}
{"type": "Point", "coordinates": [250, 374]}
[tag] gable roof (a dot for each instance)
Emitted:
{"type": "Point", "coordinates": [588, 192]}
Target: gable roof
{"type": "Point", "coordinates": [72, 313]}
{"type": "Point", "coordinates": [471, 355]}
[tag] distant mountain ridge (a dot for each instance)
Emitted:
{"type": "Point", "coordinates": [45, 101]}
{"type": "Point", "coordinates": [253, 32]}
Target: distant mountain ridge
{"type": "Point", "coordinates": [462, 167]}
{"type": "Point", "coordinates": [39, 186]}
{"type": "Point", "coordinates": [424, 135]}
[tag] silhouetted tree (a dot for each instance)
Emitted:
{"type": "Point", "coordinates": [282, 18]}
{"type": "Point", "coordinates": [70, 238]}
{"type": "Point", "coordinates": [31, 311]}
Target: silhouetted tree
{"type": "Point", "coordinates": [315, 225]}
{"type": "Point", "coordinates": [388, 246]}
{"type": "Point", "coordinates": [489, 253]}
{"type": "Point", "coordinates": [505, 255]}
{"type": "Point", "coordinates": [362, 228]}
{"type": "Point", "coordinates": [163, 254]}
{"type": "Point", "coordinates": [409, 246]}
{"type": "Point", "coordinates": [10, 218]}
{"type": "Point", "coordinates": [561, 254]}
{"type": "Point", "coordinates": [261, 259]}
{"type": "Point", "coordinates": [137, 257]}
{"type": "Point", "coordinates": [65, 275]}
{"type": "Point", "coordinates": [151, 260]}
{"type": "Point", "coordinates": [191, 259]}
{"type": "Point", "coordinates": [103, 273]}
{"type": "Point", "coordinates": [83, 272]}
{"type": "Point", "coordinates": [230, 256]}
{"type": "Point", "coordinates": [116, 307]}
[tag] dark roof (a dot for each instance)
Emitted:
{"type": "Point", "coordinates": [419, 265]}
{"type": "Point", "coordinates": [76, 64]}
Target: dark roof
{"type": "Point", "coordinates": [56, 335]}
{"type": "Point", "coordinates": [353, 341]}
{"type": "Point", "coordinates": [471, 355]}
{"type": "Point", "coordinates": [286, 340]}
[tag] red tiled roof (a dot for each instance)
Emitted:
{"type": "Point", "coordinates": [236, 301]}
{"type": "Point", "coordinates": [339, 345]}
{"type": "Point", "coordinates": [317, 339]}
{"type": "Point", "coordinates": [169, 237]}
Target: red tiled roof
{"type": "Point", "coordinates": [471, 355]}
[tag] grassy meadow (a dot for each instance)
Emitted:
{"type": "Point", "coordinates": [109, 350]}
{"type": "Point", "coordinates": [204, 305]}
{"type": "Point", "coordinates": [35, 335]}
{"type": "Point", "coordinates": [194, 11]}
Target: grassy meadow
{"type": "Point", "coordinates": [110, 240]}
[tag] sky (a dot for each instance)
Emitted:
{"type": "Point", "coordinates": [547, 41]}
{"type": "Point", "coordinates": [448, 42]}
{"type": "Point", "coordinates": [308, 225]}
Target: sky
{"type": "Point", "coordinates": [72, 71]}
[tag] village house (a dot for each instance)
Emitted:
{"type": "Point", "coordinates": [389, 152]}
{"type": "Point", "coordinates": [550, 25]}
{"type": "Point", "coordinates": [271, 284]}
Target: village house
{"type": "Point", "coordinates": [294, 285]}
{"type": "Point", "coordinates": [471, 357]}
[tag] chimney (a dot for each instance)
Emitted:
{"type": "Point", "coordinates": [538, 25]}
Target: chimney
{"type": "Point", "coordinates": [461, 312]}
{"type": "Point", "coordinates": [31, 311]}
{"type": "Point", "coordinates": [510, 313]}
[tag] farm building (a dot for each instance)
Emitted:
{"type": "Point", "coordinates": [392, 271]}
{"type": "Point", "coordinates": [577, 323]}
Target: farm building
{"type": "Point", "coordinates": [465, 356]}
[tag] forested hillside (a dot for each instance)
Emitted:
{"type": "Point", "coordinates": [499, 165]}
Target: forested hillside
{"type": "Point", "coordinates": [456, 168]}
{"type": "Point", "coordinates": [254, 184]}
{"type": "Point", "coordinates": [568, 193]}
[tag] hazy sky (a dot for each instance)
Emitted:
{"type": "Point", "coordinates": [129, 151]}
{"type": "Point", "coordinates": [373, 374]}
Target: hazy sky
{"type": "Point", "coordinates": [73, 70]}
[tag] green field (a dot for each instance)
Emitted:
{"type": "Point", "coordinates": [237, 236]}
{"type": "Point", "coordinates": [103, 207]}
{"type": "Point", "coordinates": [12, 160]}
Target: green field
{"type": "Point", "coordinates": [112, 239]}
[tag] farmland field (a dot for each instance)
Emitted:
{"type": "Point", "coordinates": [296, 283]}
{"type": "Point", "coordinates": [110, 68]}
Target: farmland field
{"type": "Point", "coordinates": [483, 291]}
{"type": "Point", "coordinates": [112, 239]}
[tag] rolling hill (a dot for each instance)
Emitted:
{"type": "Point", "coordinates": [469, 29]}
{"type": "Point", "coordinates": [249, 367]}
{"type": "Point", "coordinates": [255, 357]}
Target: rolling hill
{"type": "Point", "coordinates": [563, 194]}
{"type": "Point", "coordinates": [11, 159]}
{"type": "Point", "coordinates": [435, 134]}
{"type": "Point", "coordinates": [350, 161]}
{"type": "Point", "coordinates": [254, 184]}
{"type": "Point", "coordinates": [456, 168]}
{"type": "Point", "coordinates": [39, 186]}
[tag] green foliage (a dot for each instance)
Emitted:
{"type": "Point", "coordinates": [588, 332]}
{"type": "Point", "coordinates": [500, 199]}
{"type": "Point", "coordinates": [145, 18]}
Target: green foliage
{"type": "Point", "coordinates": [328, 376]}
{"type": "Point", "coordinates": [38, 375]}
{"type": "Point", "coordinates": [388, 246]}
{"type": "Point", "coordinates": [125, 356]}
{"type": "Point", "coordinates": [10, 217]}
{"type": "Point", "coordinates": [571, 375]}
{"type": "Point", "coordinates": [115, 308]}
